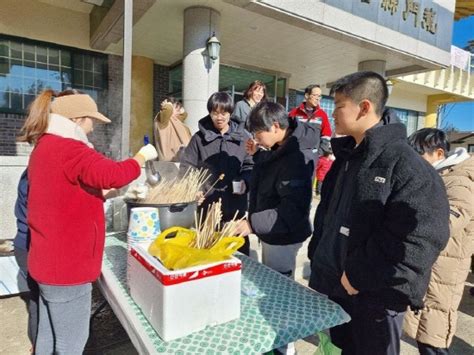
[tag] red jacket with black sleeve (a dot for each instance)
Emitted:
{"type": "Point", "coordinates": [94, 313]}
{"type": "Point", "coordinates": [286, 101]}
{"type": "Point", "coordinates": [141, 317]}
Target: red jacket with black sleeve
{"type": "Point", "coordinates": [65, 208]}
{"type": "Point", "coordinates": [318, 118]}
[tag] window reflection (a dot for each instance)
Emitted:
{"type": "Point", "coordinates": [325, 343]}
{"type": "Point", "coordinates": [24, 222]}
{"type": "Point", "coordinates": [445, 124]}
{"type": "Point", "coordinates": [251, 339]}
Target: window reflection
{"type": "Point", "coordinates": [235, 81]}
{"type": "Point", "coordinates": [28, 68]}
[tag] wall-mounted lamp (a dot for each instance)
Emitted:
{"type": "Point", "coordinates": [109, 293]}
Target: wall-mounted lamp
{"type": "Point", "coordinates": [390, 83]}
{"type": "Point", "coordinates": [213, 47]}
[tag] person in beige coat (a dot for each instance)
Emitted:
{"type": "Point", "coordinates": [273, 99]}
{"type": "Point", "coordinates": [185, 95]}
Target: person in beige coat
{"type": "Point", "coordinates": [171, 133]}
{"type": "Point", "coordinates": [434, 327]}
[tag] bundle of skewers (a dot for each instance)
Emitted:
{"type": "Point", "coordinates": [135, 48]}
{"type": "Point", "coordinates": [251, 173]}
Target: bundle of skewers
{"type": "Point", "coordinates": [211, 230]}
{"type": "Point", "coordinates": [179, 190]}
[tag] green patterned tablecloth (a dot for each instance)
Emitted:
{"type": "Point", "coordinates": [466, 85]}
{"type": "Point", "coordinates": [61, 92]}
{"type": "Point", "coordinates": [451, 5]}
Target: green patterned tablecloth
{"type": "Point", "coordinates": [274, 311]}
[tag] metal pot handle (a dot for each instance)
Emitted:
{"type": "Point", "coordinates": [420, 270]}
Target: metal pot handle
{"type": "Point", "coordinates": [178, 207]}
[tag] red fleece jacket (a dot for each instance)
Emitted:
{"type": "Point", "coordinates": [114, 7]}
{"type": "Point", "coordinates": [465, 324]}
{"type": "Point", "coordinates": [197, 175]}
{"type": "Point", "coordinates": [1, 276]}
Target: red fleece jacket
{"type": "Point", "coordinates": [65, 208]}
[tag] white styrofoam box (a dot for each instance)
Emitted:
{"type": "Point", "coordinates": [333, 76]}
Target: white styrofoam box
{"type": "Point", "coordinates": [178, 303]}
{"type": "Point", "coordinates": [144, 245]}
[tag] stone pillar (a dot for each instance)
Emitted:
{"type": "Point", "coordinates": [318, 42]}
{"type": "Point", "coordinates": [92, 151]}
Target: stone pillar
{"type": "Point", "coordinates": [141, 116]}
{"type": "Point", "coordinates": [200, 75]}
{"type": "Point", "coordinates": [377, 66]}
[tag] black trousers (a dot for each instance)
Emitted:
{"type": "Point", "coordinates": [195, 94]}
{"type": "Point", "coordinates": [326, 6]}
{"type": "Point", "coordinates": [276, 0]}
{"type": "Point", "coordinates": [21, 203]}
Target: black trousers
{"type": "Point", "coordinates": [31, 298]}
{"type": "Point", "coordinates": [245, 249]}
{"type": "Point", "coordinates": [373, 329]}
{"type": "Point", "coordinates": [426, 349]}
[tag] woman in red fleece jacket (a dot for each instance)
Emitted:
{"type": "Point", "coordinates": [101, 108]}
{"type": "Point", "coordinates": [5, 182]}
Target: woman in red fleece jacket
{"type": "Point", "coordinates": [66, 177]}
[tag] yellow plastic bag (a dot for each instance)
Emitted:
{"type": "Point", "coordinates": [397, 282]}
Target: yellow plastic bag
{"type": "Point", "coordinates": [175, 253]}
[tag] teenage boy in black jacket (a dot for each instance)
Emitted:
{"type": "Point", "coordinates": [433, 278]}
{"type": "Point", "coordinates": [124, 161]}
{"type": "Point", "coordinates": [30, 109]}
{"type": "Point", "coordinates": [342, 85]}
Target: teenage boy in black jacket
{"type": "Point", "coordinates": [280, 185]}
{"type": "Point", "coordinates": [381, 223]}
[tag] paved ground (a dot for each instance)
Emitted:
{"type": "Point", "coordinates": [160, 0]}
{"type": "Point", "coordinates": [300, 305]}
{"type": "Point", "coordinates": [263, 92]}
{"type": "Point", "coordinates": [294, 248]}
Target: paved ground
{"type": "Point", "coordinates": [108, 336]}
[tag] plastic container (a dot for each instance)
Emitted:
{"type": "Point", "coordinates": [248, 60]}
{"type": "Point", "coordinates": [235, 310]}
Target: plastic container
{"type": "Point", "coordinates": [171, 215]}
{"type": "Point", "coordinates": [144, 225]}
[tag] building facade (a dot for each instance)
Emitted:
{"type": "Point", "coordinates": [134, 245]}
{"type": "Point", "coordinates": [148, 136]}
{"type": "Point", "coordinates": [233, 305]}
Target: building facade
{"type": "Point", "coordinates": [288, 44]}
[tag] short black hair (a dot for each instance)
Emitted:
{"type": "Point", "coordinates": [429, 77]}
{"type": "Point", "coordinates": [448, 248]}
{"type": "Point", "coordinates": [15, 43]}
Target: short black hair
{"type": "Point", "coordinates": [363, 85]}
{"type": "Point", "coordinates": [310, 88]}
{"type": "Point", "coordinates": [427, 140]}
{"type": "Point", "coordinates": [220, 101]}
{"type": "Point", "coordinates": [264, 114]}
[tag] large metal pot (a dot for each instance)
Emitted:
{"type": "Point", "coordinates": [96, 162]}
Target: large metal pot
{"type": "Point", "coordinates": [170, 215]}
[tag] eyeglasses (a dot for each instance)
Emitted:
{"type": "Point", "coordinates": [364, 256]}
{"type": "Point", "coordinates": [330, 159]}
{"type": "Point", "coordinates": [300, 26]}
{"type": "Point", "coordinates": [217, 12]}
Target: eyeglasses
{"type": "Point", "coordinates": [315, 95]}
{"type": "Point", "coordinates": [221, 114]}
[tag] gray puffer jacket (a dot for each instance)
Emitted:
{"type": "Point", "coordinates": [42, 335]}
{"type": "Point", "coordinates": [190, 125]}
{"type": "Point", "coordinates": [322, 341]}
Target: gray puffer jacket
{"type": "Point", "coordinates": [241, 111]}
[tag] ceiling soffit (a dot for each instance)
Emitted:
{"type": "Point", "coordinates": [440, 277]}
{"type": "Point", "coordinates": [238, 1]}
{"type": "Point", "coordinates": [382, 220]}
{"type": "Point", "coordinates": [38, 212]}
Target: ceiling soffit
{"type": "Point", "coordinates": [255, 41]}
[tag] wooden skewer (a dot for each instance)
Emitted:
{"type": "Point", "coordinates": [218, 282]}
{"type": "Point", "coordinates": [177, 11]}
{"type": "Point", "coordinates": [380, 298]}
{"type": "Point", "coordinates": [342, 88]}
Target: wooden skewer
{"type": "Point", "coordinates": [178, 190]}
{"type": "Point", "coordinates": [221, 177]}
{"type": "Point", "coordinates": [210, 230]}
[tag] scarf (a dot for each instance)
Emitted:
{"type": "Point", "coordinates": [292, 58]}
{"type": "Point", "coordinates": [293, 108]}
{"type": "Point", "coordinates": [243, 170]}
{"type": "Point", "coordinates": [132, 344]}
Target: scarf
{"type": "Point", "coordinates": [64, 127]}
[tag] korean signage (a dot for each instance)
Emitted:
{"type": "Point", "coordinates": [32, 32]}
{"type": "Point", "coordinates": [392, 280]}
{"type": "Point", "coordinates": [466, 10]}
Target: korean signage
{"type": "Point", "coordinates": [424, 20]}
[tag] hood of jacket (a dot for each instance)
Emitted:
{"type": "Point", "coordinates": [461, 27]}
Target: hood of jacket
{"type": "Point", "coordinates": [459, 155]}
{"type": "Point", "coordinates": [389, 116]}
{"type": "Point", "coordinates": [302, 138]}
{"type": "Point", "coordinates": [210, 133]}
{"type": "Point", "coordinates": [463, 168]}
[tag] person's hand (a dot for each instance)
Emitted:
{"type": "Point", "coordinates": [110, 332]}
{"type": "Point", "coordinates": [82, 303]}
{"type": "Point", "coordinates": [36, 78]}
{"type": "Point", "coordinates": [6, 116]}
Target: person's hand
{"type": "Point", "coordinates": [200, 198]}
{"type": "Point", "coordinates": [243, 228]}
{"type": "Point", "coordinates": [110, 193]}
{"type": "Point", "coordinates": [251, 146]}
{"type": "Point", "coordinates": [347, 285]}
{"type": "Point", "coordinates": [135, 192]}
{"type": "Point", "coordinates": [164, 103]}
{"type": "Point", "coordinates": [147, 152]}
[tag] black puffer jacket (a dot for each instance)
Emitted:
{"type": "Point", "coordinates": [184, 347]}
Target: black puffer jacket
{"type": "Point", "coordinates": [219, 154]}
{"type": "Point", "coordinates": [396, 228]}
{"type": "Point", "coordinates": [281, 188]}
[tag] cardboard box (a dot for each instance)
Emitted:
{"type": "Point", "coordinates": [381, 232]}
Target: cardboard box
{"type": "Point", "coordinates": [177, 303]}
